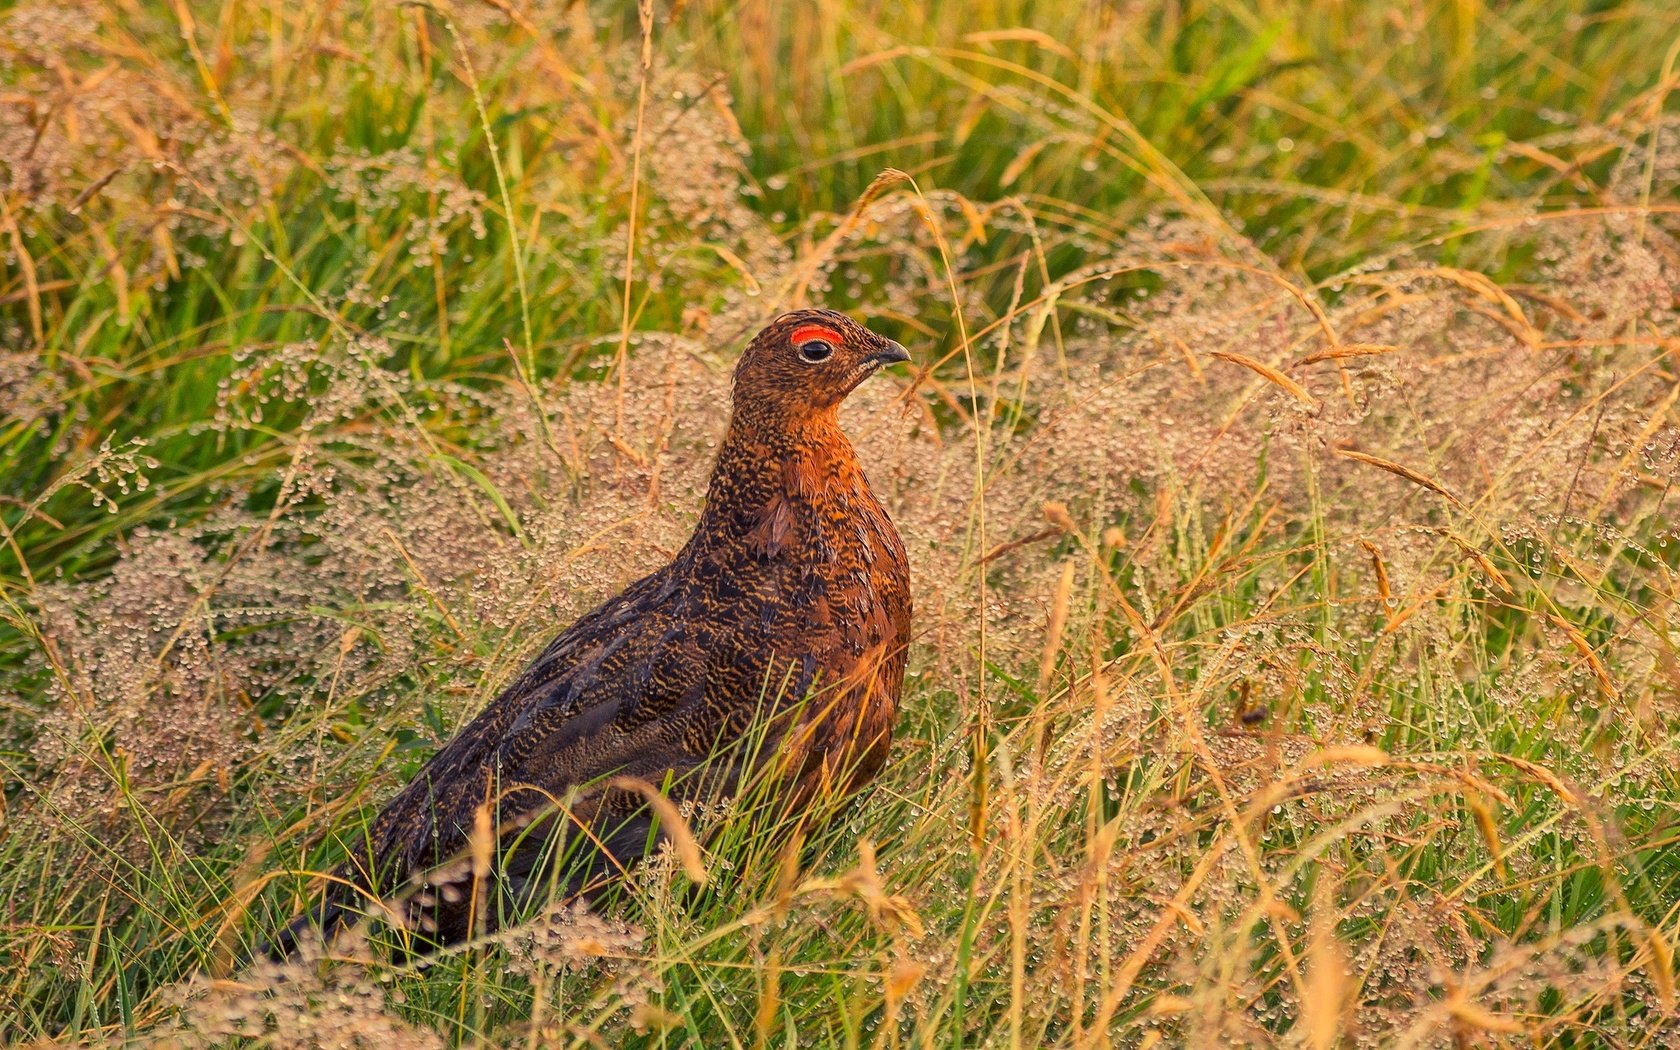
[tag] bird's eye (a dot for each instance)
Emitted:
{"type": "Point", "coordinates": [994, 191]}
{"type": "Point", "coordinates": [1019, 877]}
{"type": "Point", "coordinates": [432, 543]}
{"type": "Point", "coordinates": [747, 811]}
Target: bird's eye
{"type": "Point", "coordinates": [815, 350]}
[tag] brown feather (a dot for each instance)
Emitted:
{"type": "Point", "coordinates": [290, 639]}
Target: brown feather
{"type": "Point", "coordinates": [791, 600]}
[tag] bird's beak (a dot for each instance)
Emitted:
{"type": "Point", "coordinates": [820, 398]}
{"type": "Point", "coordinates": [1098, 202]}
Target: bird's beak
{"type": "Point", "coordinates": [890, 354]}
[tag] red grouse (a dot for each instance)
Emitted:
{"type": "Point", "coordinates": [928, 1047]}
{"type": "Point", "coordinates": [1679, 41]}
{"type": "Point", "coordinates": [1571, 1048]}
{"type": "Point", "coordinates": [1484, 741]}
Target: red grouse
{"type": "Point", "coordinates": [784, 620]}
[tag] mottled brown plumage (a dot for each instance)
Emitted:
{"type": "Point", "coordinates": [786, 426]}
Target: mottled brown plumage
{"type": "Point", "coordinates": [788, 610]}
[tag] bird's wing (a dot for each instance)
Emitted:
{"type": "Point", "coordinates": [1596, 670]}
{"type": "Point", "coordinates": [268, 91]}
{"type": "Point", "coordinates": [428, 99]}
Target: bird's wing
{"type": "Point", "coordinates": [559, 726]}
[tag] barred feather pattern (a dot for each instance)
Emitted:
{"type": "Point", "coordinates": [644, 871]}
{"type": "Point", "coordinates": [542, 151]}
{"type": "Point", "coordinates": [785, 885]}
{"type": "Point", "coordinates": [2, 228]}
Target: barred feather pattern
{"type": "Point", "coordinates": [789, 608]}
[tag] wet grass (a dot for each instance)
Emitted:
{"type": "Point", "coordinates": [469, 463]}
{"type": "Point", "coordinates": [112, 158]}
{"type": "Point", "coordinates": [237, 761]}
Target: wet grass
{"type": "Point", "coordinates": [1285, 482]}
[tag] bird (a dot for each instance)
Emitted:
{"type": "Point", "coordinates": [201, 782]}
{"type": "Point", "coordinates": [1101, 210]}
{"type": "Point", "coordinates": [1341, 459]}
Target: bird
{"type": "Point", "coordinates": [770, 649]}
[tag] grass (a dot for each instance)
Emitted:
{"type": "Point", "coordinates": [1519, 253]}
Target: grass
{"type": "Point", "coordinates": [1285, 484]}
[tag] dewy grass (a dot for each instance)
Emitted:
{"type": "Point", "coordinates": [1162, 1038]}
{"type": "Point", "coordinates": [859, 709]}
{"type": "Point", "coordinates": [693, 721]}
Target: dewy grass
{"type": "Point", "coordinates": [1316, 381]}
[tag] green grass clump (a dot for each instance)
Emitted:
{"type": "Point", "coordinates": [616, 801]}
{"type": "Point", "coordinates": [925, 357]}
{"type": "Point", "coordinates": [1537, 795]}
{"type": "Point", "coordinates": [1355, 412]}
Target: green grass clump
{"type": "Point", "coordinates": [1286, 482]}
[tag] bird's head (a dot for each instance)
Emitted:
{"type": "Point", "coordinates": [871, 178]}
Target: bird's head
{"type": "Point", "coordinates": [806, 362]}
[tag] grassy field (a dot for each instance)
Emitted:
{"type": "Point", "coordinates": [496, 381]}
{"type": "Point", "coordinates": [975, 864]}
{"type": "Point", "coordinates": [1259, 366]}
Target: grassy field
{"type": "Point", "coordinates": [1285, 476]}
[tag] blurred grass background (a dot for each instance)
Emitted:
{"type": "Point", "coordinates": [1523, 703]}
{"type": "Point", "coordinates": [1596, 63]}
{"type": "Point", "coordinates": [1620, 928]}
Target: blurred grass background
{"type": "Point", "coordinates": [488, 204]}
{"type": "Point", "coordinates": [1324, 134]}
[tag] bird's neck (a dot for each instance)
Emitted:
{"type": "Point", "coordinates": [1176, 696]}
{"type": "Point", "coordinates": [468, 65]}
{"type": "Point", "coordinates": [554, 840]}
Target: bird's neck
{"type": "Point", "coordinates": [767, 458]}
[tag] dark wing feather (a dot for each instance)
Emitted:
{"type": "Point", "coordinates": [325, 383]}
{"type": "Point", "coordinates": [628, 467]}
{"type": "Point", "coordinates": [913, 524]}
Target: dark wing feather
{"type": "Point", "coordinates": [594, 704]}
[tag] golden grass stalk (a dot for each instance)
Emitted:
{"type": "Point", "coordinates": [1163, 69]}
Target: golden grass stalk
{"type": "Point", "coordinates": [672, 822]}
{"type": "Point", "coordinates": [1270, 375]}
{"type": "Point", "coordinates": [1400, 470]}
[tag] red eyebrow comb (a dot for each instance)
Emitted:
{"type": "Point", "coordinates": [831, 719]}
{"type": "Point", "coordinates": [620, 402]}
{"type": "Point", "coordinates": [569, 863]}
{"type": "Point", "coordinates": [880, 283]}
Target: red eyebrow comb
{"type": "Point", "coordinates": [807, 332]}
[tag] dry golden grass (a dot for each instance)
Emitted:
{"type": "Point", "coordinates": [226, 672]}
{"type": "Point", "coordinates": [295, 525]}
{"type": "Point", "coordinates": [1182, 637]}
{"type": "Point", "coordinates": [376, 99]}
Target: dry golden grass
{"type": "Point", "coordinates": [1295, 660]}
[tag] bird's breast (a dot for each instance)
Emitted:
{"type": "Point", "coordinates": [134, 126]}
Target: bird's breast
{"type": "Point", "coordinates": [803, 563]}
